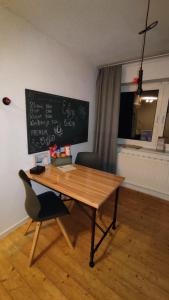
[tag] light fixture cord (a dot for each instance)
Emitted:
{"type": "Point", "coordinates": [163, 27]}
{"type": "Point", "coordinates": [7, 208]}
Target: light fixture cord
{"type": "Point", "coordinates": [144, 38]}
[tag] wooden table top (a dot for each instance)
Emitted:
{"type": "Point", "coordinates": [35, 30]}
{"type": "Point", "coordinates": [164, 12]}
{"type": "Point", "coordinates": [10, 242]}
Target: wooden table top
{"type": "Point", "coordinates": [87, 185]}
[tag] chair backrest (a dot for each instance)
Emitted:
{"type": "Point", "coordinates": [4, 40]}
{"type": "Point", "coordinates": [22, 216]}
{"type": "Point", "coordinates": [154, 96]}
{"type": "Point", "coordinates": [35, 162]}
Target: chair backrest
{"type": "Point", "coordinates": [88, 159]}
{"type": "Point", "coordinates": [32, 204]}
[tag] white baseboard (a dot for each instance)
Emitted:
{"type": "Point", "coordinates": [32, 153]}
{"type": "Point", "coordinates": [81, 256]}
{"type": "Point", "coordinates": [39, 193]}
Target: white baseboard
{"type": "Point", "coordinates": [11, 228]}
{"type": "Point", "coordinates": [144, 190]}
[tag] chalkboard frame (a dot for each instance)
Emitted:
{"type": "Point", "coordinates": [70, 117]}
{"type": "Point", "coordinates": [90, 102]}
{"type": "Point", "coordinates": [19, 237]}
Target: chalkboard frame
{"type": "Point", "coordinates": [71, 135]}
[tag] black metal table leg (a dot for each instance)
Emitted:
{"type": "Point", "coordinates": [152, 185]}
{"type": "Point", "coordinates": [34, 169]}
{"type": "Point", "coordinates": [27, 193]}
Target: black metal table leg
{"type": "Point", "coordinates": [115, 209]}
{"type": "Point", "coordinates": [93, 220]}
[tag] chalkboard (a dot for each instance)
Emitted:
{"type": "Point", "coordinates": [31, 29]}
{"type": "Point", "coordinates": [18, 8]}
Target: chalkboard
{"type": "Point", "coordinates": [53, 119]}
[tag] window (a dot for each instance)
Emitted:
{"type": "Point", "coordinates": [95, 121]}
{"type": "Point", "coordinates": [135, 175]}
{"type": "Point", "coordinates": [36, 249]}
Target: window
{"type": "Point", "coordinates": [143, 119]}
{"type": "Point", "coordinates": [136, 120]}
{"type": "Point", "coordinates": [166, 127]}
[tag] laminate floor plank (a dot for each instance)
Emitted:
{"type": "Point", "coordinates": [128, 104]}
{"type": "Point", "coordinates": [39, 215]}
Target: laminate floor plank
{"type": "Point", "coordinates": [130, 277]}
{"type": "Point", "coordinates": [13, 283]}
{"type": "Point", "coordinates": [35, 279]}
{"type": "Point", "coordinates": [69, 265]}
{"type": "Point", "coordinates": [3, 293]}
{"type": "Point", "coordinates": [132, 263]}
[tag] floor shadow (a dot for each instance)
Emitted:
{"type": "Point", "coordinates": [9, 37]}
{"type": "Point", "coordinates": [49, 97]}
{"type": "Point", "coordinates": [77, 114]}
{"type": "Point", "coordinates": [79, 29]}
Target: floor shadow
{"type": "Point", "coordinates": [105, 252]}
{"type": "Point", "coordinates": [46, 249]}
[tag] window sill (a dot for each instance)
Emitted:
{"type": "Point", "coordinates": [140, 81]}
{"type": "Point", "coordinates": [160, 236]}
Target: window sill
{"type": "Point", "coordinates": [144, 152]}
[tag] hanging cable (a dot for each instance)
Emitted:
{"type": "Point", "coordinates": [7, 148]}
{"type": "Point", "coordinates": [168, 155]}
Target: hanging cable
{"type": "Point", "coordinates": [144, 31]}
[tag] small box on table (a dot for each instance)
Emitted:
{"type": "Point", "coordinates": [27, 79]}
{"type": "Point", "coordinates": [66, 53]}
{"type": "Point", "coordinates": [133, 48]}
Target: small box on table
{"type": "Point", "coordinates": [61, 161]}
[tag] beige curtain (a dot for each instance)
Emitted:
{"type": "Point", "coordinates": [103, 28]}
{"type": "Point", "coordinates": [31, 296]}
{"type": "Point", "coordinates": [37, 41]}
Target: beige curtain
{"type": "Point", "coordinates": [107, 115]}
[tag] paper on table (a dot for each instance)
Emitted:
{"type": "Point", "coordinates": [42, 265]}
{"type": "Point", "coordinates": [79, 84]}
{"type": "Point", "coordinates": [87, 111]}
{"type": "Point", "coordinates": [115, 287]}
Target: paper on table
{"type": "Point", "coordinates": [66, 168]}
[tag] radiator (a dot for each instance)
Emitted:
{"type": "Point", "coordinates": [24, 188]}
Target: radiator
{"type": "Point", "coordinates": [145, 170]}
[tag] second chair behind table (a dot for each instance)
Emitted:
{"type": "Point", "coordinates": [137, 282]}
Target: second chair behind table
{"type": "Point", "coordinates": [41, 208]}
{"type": "Point", "coordinates": [89, 159]}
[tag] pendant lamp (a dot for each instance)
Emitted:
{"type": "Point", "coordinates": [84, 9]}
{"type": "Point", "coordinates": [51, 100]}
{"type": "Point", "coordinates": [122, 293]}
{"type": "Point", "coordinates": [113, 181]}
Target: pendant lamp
{"type": "Point", "coordinates": [140, 77]}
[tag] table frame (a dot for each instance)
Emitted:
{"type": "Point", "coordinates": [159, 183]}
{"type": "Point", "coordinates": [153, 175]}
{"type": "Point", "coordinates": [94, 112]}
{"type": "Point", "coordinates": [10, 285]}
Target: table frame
{"type": "Point", "coordinates": [112, 225]}
{"type": "Point", "coordinates": [93, 247]}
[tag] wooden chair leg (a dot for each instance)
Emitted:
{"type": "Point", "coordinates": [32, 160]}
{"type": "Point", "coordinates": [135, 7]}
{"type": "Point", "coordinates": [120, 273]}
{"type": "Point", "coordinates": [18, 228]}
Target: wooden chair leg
{"type": "Point", "coordinates": [28, 226]}
{"type": "Point", "coordinates": [35, 239]}
{"type": "Point", "coordinates": [71, 205]}
{"type": "Point", "coordinates": [63, 230]}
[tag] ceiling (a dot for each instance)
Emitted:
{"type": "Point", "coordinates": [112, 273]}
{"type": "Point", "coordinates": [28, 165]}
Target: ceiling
{"type": "Point", "coordinates": [104, 31]}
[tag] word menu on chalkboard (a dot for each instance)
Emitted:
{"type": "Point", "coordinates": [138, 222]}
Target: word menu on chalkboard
{"type": "Point", "coordinates": [53, 119]}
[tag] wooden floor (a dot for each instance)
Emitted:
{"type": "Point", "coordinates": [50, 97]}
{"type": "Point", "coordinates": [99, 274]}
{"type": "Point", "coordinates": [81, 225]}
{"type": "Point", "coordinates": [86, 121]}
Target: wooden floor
{"type": "Point", "coordinates": [132, 263]}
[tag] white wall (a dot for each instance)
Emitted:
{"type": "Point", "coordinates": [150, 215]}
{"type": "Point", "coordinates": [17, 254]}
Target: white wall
{"type": "Point", "coordinates": [29, 59]}
{"type": "Point", "coordinates": [153, 69]}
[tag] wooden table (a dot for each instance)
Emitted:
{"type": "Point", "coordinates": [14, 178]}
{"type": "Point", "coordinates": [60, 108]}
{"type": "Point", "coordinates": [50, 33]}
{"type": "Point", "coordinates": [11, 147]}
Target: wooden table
{"type": "Point", "coordinates": [87, 186]}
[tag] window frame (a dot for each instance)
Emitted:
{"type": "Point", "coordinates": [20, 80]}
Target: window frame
{"type": "Point", "coordinates": [163, 112]}
{"type": "Point", "coordinates": [160, 115]}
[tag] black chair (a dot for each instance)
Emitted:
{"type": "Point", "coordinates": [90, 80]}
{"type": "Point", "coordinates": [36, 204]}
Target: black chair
{"type": "Point", "coordinates": [88, 159]}
{"type": "Point", "coordinates": [40, 208]}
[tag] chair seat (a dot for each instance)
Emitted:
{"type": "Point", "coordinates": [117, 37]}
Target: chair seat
{"type": "Point", "coordinates": [40, 208]}
{"type": "Point", "coordinates": [51, 206]}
